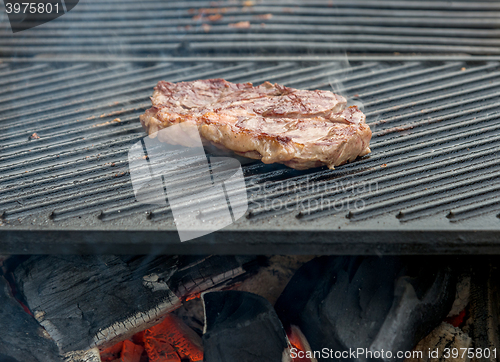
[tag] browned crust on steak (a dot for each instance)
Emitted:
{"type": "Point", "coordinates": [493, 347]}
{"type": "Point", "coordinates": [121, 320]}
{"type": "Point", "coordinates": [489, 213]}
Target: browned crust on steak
{"type": "Point", "coordinates": [270, 122]}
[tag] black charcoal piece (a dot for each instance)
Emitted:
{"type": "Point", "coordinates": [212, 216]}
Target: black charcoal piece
{"type": "Point", "coordinates": [96, 301]}
{"type": "Point", "coordinates": [22, 339]}
{"type": "Point", "coordinates": [373, 303]}
{"type": "Point", "coordinates": [243, 327]}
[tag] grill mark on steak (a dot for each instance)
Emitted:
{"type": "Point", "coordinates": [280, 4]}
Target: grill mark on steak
{"type": "Point", "coordinates": [270, 122]}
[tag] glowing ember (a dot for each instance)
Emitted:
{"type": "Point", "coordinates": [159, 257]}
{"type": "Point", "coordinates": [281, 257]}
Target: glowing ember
{"type": "Point", "coordinates": [174, 332]}
{"type": "Point", "coordinates": [169, 341]}
{"type": "Point", "coordinates": [458, 320]}
{"type": "Point", "coordinates": [160, 350]}
{"type": "Point", "coordinates": [299, 344]}
{"type": "Point", "coordinates": [131, 352]}
{"type": "Point", "coordinates": [112, 353]}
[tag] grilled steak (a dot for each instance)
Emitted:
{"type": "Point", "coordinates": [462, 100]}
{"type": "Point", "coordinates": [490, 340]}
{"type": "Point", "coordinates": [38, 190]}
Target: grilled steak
{"type": "Point", "coordinates": [270, 122]}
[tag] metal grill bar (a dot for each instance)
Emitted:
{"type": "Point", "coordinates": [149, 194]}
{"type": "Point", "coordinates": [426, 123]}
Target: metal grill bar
{"type": "Point", "coordinates": [406, 4]}
{"type": "Point", "coordinates": [453, 35]}
{"type": "Point", "coordinates": [474, 210]}
{"type": "Point", "coordinates": [285, 38]}
{"type": "Point", "coordinates": [191, 27]}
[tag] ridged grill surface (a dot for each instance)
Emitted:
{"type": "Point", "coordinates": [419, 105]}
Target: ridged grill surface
{"type": "Point", "coordinates": [108, 27]}
{"type": "Point", "coordinates": [435, 146]}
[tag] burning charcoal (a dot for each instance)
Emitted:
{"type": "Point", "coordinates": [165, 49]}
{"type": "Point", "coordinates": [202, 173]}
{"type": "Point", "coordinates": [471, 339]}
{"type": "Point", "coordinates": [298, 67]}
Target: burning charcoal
{"type": "Point", "coordinates": [243, 327]}
{"type": "Point", "coordinates": [301, 350]}
{"type": "Point", "coordinates": [111, 353]}
{"type": "Point", "coordinates": [375, 304]}
{"type": "Point", "coordinates": [21, 338]}
{"type": "Point", "coordinates": [160, 350]}
{"type": "Point", "coordinates": [174, 332]}
{"type": "Point", "coordinates": [97, 301]}
{"type": "Point", "coordinates": [131, 352]}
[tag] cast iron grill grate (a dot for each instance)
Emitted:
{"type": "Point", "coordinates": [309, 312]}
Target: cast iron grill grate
{"type": "Point", "coordinates": [108, 27]}
{"type": "Point", "coordinates": [433, 167]}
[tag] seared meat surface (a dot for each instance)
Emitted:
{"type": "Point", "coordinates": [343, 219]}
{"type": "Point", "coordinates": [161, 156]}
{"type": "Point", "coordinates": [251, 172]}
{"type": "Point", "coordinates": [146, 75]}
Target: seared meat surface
{"type": "Point", "coordinates": [270, 122]}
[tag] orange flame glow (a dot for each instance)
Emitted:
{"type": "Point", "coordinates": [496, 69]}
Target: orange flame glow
{"type": "Point", "coordinates": [169, 341]}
